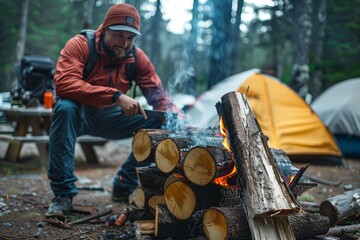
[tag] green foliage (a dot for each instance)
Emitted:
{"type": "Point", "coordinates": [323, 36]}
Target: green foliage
{"type": "Point", "coordinates": [342, 48]}
{"type": "Point", "coordinates": [267, 42]}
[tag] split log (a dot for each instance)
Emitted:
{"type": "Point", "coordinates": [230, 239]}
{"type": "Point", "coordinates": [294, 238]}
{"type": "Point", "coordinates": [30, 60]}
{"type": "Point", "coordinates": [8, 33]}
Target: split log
{"type": "Point", "coordinates": [166, 225]}
{"type": "Point", "coordinates": [231, 223]}
{"type": "Point", "coordinates": [265, 192]}
{"type": "Point", "coordinates": [226, 223]}
{"type": "Point", "coordinates": [151, 177]}
{"type": "Point", "coordinates": [145, 141]}
{"type": "Point", "coordinates": [171, 151]}
{"type": "Point", "coordinates": [140, 196]}
{"type": "Point", "coordinates": [202, 165]}
{"type": "Point", "coordinates": [154, 201]}
{"type": "Point", "coordinates": [183, 198]}
{"type": "Point", "coordinates": [342, 208]}
{"type": "Point", "coordinates": [143, 228]}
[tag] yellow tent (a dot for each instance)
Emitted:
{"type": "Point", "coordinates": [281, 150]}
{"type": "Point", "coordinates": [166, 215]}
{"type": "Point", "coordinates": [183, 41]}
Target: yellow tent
{"type": "Point", "coordinates": [283, 115]}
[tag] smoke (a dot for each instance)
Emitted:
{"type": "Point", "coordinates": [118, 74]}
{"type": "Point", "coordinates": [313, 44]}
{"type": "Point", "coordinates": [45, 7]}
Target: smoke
{"type": "Point", "coordinates": [181, 82]}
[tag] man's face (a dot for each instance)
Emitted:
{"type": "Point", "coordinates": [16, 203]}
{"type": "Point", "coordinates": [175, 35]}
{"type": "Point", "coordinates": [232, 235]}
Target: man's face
{"type": "Point", "coordinates": [119, 42]}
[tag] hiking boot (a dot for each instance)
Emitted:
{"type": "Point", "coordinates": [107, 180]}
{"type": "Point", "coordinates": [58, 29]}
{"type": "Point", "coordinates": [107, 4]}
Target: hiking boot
{"type": "Point", "coordinates": [59, 206]}
{"type": "Point", "coordinates": [120, 195]}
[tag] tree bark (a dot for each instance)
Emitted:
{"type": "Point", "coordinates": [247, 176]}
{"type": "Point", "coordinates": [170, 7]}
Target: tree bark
{"type": "Point", "coordinates": [166, 225]}
{"type": "Point", "coordinates": [265, 192]}
{"type": "Point", "coordinates": [151, 177]}
{"type": "Point", "coordinates": [319, 33]}
{"type": "Point", "coordinates": [338, 231]}
{"type": "Point", "coordinates": [342, 208]}
{"type": "Point", "coordinates": [307, 225]}
{"type": "Point", "coordinates": [202, 165]}
{"type": "Point", "coordinates": [302, 42]}
{"type": "Point", "coordinates": [20, 46]}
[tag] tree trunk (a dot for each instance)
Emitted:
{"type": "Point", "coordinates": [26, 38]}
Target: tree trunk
{"type": "Point", "coordinates": [20, 46]}
{"type": "Point", "coordinates": [220, 45]}
{"type": "Point", "coordinates": [342, 208]}
{"type": "Point", "coordinates": [320, 16]}
{"type": "Point", "coordinates": [302, 41]}
{"type": "Point", "coordinates": [265, 192]}
{"type": "Point", "coordinates": [202, 165]}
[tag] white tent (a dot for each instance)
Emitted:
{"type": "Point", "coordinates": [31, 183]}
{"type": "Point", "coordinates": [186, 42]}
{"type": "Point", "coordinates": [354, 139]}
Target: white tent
{"type": "Point", "coordinates": [339, 108]}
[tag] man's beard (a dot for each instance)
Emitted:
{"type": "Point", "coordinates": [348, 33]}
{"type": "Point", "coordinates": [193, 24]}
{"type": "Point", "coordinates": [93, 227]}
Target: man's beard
{"type": "Point", "coordinates": [119, 55]}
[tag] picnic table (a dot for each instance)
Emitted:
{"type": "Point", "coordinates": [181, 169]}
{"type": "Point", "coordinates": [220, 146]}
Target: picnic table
{"type": "Point", "coordinates": [32, 124]}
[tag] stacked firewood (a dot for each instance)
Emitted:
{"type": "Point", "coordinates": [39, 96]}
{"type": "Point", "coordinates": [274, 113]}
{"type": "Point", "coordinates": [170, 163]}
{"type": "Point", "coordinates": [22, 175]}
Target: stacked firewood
{"type": "Point", "coordinates": [200, 182]}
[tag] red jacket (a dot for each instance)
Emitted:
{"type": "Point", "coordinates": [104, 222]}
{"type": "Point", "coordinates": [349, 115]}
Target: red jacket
{"type": "Point", "coordinates": [107, 77]}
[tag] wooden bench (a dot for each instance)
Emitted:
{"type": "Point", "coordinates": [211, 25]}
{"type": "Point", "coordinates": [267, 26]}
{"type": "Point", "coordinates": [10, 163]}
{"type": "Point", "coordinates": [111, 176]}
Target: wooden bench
{"type": "Point", "coordinates": [86, 142]}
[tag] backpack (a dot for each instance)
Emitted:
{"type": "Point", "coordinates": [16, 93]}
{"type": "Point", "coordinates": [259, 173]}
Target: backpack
{"type": "Point", "coordinates": [35, 74]}
{"type": "Point", "coordinates": [91, 61]}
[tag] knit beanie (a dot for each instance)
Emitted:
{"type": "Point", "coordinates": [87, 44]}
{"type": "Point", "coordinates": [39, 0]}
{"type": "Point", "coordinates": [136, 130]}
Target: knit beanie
{"type": "Point", "coordinates": [122, 17]}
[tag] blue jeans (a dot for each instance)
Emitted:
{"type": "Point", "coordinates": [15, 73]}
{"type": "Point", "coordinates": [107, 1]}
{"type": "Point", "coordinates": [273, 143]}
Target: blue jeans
{"type": "Point", "coordinates": [70, 120]}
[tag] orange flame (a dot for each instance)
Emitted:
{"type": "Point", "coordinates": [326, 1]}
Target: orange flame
{"type": "Point", "coordinates": [120, 178]}
{"type": "Point", "coordinates": [223, 180]}
{"type": "Point", "coordinates": [291, 178]}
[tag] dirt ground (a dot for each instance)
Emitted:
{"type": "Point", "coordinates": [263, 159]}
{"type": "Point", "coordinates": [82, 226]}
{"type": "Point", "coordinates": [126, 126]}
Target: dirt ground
{"type": "Point", "coordinates": [25, 193]}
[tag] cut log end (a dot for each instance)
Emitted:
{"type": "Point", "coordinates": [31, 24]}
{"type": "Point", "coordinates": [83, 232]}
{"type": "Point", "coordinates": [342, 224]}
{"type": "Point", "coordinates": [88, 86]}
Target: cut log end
{"type": "Point", "coordinates": [180, 200]}
{"type": "Point", "coordinates": [137, 198]}
{"type": "Point", "coordinates": [327, 209]}
{"type": "Point", "coordinates": [199, 166]}
{"type": "Point", "coordinates": [154, 201]}
{"type": "Point", "coordinates": [215, 225]}
{"type": "Point", "coordinates": [167, 155]}
{"type": "Point", "coordinates": [141, 146]}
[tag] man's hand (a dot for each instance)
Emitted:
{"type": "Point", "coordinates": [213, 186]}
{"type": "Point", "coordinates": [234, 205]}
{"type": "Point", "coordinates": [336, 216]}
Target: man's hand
{"type": "Point", "coordinates": [130, 106]}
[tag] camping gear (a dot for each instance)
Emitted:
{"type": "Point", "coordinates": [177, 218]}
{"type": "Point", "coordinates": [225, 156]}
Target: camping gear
{"type": "Point", "coordinates": [339, 109]}
{"type": "Point", "coordinates": [35, 74]}
{"type": "Point", "coordinates": [283, 115]}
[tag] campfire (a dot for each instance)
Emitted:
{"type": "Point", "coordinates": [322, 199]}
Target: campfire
{"type": "Point", "coordinates": [224, 183]}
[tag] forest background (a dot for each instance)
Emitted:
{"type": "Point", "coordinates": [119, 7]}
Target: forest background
{"type": "Point", "coordinates": [308, 44]}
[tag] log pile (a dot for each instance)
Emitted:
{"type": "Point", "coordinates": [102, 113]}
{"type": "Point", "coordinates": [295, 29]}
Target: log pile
{"type": "Point", "coordinates": [195, 185]}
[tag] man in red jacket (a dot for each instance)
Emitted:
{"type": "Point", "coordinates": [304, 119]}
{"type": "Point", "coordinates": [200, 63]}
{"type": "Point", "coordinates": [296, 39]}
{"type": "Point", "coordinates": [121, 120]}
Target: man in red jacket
{"type": "Point", "coordinates": [98, 105]}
